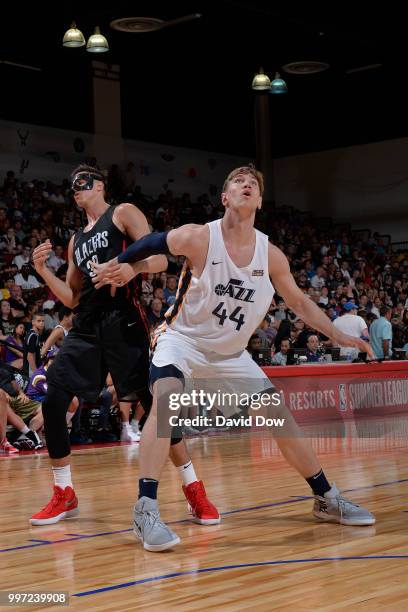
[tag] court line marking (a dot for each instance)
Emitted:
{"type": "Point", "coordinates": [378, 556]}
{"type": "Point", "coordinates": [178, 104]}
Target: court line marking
{"type": "Point", "coordinates": [294, 499]}
{"type": "Point", "coordinates": [221, 568]}
{"type": "Point", "coordinates": [74, 536]}
{"type": "Point", "coordinates": [42, 541]}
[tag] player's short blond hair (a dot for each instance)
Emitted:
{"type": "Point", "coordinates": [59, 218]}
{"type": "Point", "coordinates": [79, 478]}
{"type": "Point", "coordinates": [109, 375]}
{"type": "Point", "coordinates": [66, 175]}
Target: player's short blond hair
{"type": "Point", "coordinates": [250, 169]}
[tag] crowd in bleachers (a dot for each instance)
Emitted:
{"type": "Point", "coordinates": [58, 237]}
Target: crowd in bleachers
{"type": "Point", "coordinates": [346, 273]}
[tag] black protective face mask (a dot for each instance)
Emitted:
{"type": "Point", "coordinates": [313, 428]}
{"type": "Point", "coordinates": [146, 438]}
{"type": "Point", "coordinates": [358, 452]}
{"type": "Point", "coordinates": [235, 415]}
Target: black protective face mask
{"type": "Point", "coordinates": [85, 181]}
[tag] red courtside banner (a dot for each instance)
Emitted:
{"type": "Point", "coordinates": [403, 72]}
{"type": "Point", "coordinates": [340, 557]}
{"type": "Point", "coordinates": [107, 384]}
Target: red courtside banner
{"type": "Point", "coordinates": [316, 393]}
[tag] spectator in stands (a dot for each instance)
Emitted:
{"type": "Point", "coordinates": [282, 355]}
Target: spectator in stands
{"type": "Point", "coordinates": [19, 231]}
{"type": "Point", "coordinates": [280, 358]}
{"type": "Point", "coordinates": [262, 335]}
{"type": "Point", "coordinates": [20, 409]}
{"type": "Point", "coordinates": [375, 309]}
{"type": "Point", "coordinates": [5, 446]}
{"type": "Point", "coordinates": [147, 290]}
{"type": "Point", "coordinates": [324, 296]}
{"type": "Point", "coordinates": [63, 230]}
{"type": "Point", "coordinates": [9, 242]}
{"type": "Point", "coordinates": [331, 313]}
{"type": "Point", "coordinates": [7, 324]}
{"type": "Point", "coordinates": [159, 294]}
{"type": "Point", "coordinates": [170, 291]}
{"type": "Point", "coordinates": [49, 318]}
{"type": "Point", "coordinates": [7, 282]}
{"type": "Point", "coordinates": [23, 258]}
{"type": "Point", "coordinates": [17, 304]}
{"type": "Point", "coordinates": [272, 330]}
{"type": "Point", "coordinates": [344, 269]}
{"type": "Point", "coordinates": [14, 356]}
{"type": "Point", "coordinates": [283, 328]}
{"type": "Point", "coordinates": [281, 312]}
{"type": "Point", "coordinates": [254, 345]}
{"type": "Point", "coordinates": [363, 302]}
{"type": "Point", "coordinates": [381, 334]}
{"type": "Point", "coordinates": [32, 345]}
{"type": "Point", "coordinates": [156, 315]}
{"type": "Point", "coordinates": [60, 331]}
{"type": "Point", "coordinates": [303, 333]}
{"type": "Point", "coordinates": [56, 259]}
{"type": "Point", "coordinates": [129, 429]}
{"type": "Point", "coordinates": [57, 197]}
{"type": "Point", "coordinates": [353, 325]}
{"type": "Point", "coordinates": [312, 346]}
{"type": "Point", "coordinates": [25, 280]}
{"type": "Point", "coordinates": [160, 280]}
{"type": "Point", "coordinates": [318, 281]}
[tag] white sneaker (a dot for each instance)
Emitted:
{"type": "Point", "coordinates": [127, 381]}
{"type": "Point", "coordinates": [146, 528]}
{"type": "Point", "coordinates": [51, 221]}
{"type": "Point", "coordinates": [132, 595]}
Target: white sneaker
{"type": "Point", "coordinates": [128, 435]}
{"type": "Point", "coordinates": [334, 508]}
{"type": "Point", "coordinates": [135, 426]}
{"type": "Point", "coordinates": [151, 530]}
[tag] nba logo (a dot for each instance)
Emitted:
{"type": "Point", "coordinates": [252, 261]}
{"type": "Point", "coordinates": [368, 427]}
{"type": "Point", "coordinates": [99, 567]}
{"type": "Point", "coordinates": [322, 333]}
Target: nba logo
{"type": "Point", "coordinates": [343, 397]}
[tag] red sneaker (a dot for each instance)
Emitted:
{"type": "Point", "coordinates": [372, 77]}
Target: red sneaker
{"type": "Point", "coordinates": [6, 447]}
{"type": "Point", "coordinates": [63, 504]}
{"type": "Point", "coordinates": [203, 511]}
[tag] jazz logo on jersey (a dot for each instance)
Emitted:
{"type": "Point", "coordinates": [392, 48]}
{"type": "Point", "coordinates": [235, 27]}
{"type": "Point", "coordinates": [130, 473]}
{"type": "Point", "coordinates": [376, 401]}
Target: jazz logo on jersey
{"type": "Point", "coordinates": [235, 290]}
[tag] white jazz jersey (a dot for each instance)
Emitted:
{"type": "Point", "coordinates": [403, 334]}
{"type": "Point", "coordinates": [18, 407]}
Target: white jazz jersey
{"type": "Point", "coordinates": [221, 309]}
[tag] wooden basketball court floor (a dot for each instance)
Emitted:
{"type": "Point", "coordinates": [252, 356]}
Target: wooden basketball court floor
{"type": "Point", "coordinates": [268, 553]}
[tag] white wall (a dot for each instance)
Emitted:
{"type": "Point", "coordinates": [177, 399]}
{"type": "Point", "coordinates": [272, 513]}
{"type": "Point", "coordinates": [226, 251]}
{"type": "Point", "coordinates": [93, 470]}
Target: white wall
{"type": "Point", "coordinates": [366, 185]}
{"type": "Point", "coordinates": [152, 172]}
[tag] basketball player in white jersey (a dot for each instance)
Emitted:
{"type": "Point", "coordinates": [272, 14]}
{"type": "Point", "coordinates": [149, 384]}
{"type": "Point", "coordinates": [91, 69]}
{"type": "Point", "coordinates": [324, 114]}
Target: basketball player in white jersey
{"type": "Point", "coordinates": [224, 291]}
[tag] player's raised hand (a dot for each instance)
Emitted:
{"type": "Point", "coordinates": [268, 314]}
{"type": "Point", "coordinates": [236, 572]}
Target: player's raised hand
{"type": "Point", "coordinates": [41, 254]}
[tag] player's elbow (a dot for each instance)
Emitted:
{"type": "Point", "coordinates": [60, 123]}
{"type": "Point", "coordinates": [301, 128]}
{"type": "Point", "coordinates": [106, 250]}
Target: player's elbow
{"type": "Point", "coordinates": [162, 263]}
{"type": "Point", "coordinates": [71, 301]}
{"type": "Point", "coordinates": [296, 304]}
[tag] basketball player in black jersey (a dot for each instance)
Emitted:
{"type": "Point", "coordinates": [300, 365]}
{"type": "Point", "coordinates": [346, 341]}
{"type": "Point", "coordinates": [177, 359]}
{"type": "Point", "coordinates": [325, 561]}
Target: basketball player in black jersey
{"type": "Point", "coordinates": [109, 335]}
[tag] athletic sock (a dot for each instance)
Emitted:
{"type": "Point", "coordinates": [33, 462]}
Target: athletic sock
{"type": "Point", "coordinates": [25, 430]}
{"type": "Point", "coordinates": [319, 483]}
{"type": "Point", "coordinates": [62, 476]}
{"type": "Point", "coordinates": [187, 473]}
{"type": "Point", "coordinates": [148, 488]}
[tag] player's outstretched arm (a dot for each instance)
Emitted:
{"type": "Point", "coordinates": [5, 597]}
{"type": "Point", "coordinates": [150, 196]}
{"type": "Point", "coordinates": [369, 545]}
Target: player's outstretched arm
{"type": "Point", "coordinates": [186, 240]}
{"type": "Point", "coordinates": [303, 306]}
{"type": "Point", "coordinates": [67, 292]}
{"type": "Point", "coordinates": [180, 241]}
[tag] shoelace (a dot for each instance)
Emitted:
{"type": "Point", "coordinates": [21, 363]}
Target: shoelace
{"type": "Point", "coordinates": [345, 504]}
{"type": "Point", "coordinates": [54, 501]}
{"type": "Point", "coordinates": [204, 501]}
{"type": "Point", "coordinates": [150, 518]}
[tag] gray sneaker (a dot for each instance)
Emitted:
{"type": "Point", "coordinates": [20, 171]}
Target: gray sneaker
{"type": "Point", "coordinates": [155, 535]}
{"type": "Point", "coordinates": [334, 508]}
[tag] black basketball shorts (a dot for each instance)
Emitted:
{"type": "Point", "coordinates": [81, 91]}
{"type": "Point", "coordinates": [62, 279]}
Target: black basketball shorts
{"type": "Point", "coordinates": [113, 342]}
